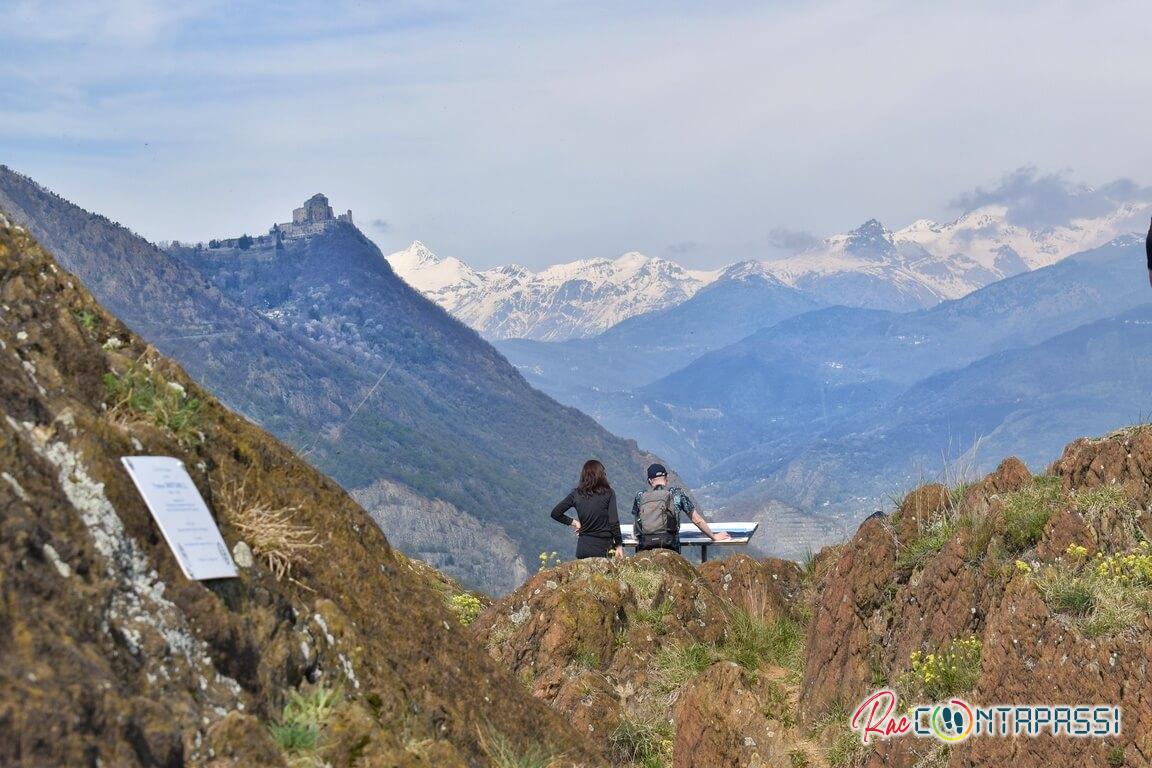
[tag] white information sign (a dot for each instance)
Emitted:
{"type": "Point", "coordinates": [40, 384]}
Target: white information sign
{"type": "Point", "coordinates": [183, 517]}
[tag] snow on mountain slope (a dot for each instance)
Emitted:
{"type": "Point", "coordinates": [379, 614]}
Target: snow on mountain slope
{"type": "Point", "coordinates": [428, 273]}
{"type": "Point", "coordinates": [573, 300]}
{"type": "Point", "coordinates": [926, 262]}
{"type": "Point", "coordinates": [871, 266]}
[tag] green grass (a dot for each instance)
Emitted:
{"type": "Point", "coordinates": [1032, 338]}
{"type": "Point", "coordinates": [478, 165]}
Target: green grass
{"type": "Point", "coordinates": [503, 754]}
{"type": "Point", "coordinates": [797, 758]}
{"type": "Point", "coordinates": [1104, 595]}
{"type": "Point", "coordinates": [777, 705]}
{"type": "Point", "coordinates": [808, 566]}
{"type": "Point", "coordinates": [930, 542]}
{"type": "Point", "coordinates": [295, 737]}
{"type": "Point", "coordinates": [1093, 502]}
{"type": "Point", "coordinates": [1071, 595]}
{"type": "Point", "coordinates": [1027, 512]}
{"type": "Point", "coordinates": [643, 743]}
{"type": "Point", "coordinates": [654, 616]}
{"type": "Point", "coordinates": [143, 394]}
{"type": "Point", "coordinates": [645, 582]}
{"type": "Point", "coordinates": [587, 659]}
{"type": "Point", "coordinates": [845, 749]}
{"type": "Point", "coordinates": [957, 493]}
{"type": "Point", "coordinates": [753, 643]}
{"type": "Point", "coordinates": [980, 532]}
{"type": "Point", "coordinates": [677, 665]}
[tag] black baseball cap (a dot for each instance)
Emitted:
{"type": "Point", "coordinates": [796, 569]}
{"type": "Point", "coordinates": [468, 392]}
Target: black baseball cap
{"type": "Point", "coordinates": [656, 470]}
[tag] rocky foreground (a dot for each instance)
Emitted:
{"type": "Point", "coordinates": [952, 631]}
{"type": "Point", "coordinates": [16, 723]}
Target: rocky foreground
{"type": "Point", "coordinates": [334, 649]}
{"type": "Point", "coordinates": [1012, 590]}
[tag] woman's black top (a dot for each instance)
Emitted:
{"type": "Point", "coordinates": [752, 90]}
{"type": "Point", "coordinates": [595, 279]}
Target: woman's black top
{"type": "Point", "coordinates": [597, 515]}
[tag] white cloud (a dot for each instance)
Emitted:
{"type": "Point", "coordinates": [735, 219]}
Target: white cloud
{"type": "Point", "coordinates": [541, 132]}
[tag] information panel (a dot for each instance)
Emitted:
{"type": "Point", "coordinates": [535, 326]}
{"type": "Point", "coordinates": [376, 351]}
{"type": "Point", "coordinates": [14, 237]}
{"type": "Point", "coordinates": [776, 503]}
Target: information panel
{"type": "Point", "coordinates": [183, 517]}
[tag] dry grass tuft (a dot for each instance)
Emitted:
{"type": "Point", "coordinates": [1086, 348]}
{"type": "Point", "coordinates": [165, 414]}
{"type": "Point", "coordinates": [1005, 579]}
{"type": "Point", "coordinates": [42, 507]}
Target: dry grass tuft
{"type": "Point", "coordinates": [271, 531]}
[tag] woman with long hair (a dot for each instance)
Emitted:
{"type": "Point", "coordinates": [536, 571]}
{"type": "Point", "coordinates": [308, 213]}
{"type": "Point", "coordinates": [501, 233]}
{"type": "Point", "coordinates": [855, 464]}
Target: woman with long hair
{"type": "Point", "coordinates": [597, 525]}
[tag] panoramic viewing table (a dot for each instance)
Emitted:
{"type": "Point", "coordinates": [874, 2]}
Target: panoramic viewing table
{"type": "Point", "coordinates": [691, 536]}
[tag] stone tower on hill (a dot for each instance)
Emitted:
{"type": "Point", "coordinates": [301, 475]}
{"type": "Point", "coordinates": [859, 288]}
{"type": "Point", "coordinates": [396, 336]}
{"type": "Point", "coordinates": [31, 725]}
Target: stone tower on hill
{"type": "Point", "coordinates": [313, 217]}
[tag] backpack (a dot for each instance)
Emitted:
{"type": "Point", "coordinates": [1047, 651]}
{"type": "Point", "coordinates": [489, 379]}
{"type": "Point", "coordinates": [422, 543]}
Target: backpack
{"type": "Point", "coordinates": [656, 514]}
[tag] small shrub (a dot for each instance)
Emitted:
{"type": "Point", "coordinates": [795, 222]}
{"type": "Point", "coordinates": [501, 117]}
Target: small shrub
{"type": "Point", "coordinates": [304, 718]}
{"type": "Point", "coordinates": [1115, 757]}
{"type": "Point", "coordinates": [142, 394]}
{"type": "Point", "coordinates": [951, 671]}
{"type": "Point", "coordinates": [1028, 510]}
{"type": "Point", "coordinates": [88, 319]}
{"type": "Point", "coordinates": [467, 607]}
{"type": "Point", "coordinates": [549, 560]}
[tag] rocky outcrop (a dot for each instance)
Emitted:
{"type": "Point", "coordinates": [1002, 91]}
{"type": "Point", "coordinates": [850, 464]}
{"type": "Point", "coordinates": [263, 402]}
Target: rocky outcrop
{"type": "Point", "coordinates": [659, 662]}
{"type": "Point", "coordinates": [1003, 564]}
{"type": "Point", "coordinates": [1031, 655]}
{"type": "Point", "coordinates": [837, 667]}
{"type": "Point", "coordinates": [722, 720]}
{"type": "Point", "coordinates": [110, 656]}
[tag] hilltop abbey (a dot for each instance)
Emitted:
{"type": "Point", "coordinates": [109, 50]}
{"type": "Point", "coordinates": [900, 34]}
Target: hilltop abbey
{"type": "Point", "coordinates": [313, 217]}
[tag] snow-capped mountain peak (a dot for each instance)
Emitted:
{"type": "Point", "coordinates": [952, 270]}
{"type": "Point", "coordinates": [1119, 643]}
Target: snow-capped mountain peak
{"type": "Point", "coordinates": [429, 273]}
{"type": "Point", "coordinates": [869, 266]}
{"type": "Point", "coordinates": [579, 298]}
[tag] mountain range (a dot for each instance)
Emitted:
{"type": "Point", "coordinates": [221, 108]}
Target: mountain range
{"type": "Point", "coordinates": [841, 405]}
{"type": "Point", "coordinates": [822, 382]}
{"type": "Point", "coordinates": [564, 301]}
{"type": "Point", "coordinates": [909, 268]}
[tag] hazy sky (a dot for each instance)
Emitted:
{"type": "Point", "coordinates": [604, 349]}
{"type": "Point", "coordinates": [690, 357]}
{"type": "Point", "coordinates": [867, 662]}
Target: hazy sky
{"type": "Point", "coordinates": [539, 132]}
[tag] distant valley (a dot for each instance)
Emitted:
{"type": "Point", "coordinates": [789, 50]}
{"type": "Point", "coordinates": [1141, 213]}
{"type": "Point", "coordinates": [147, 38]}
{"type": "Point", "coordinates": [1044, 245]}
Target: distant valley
{"type": "Point", "coordinates": [814, 387]}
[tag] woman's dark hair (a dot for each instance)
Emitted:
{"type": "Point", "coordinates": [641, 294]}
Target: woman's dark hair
{"type": "Point", "coordinates": [593, 479]}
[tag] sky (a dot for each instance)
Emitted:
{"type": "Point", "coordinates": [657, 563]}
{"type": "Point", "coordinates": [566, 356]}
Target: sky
{"type": "Point", "coordinates": [540, 132]}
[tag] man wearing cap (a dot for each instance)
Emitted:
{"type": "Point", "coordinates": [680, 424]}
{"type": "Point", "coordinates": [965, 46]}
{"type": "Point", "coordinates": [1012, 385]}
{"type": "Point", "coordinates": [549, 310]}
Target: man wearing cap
{"type": "Point", "coordinates": [673, 502]}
